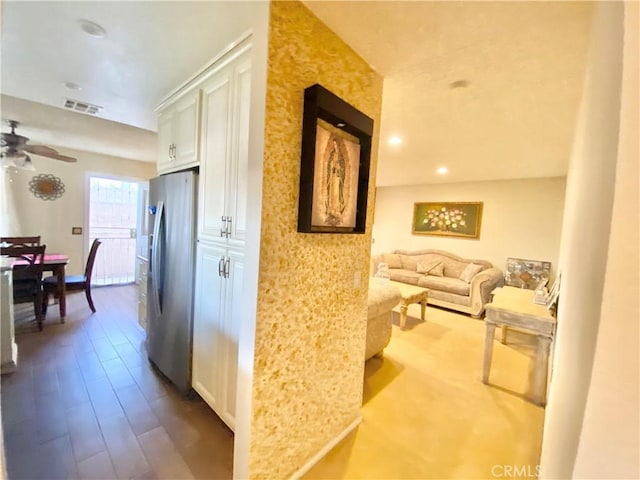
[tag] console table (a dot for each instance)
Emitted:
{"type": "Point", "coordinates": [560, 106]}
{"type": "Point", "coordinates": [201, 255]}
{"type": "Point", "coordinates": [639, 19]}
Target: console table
{"type": "Point", "coordinates": [514, 307]}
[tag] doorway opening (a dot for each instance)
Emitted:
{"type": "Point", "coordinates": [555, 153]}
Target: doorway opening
{"type": "Point", "coordinates": [113, 218]}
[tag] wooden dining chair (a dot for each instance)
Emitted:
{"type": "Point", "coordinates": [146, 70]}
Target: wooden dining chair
{"type": "Point", "coordinates": [73, 282]}
{"type": "Point", "coordinates": [20, 241]}
{"type": "Point", "coordinates": [27, 276]}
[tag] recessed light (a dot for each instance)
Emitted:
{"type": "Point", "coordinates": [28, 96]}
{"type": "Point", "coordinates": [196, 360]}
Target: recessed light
{"type": "Point", "coordinates": [459, 84]}
{"type": "Point", "coordinates": [442, 171]}
{"type": "Point", "coordinates": [395, 141]}
{"type": "Point", "coordinates": [341, 124]}
{"type": "Point", "coordinates": [72, 86]}
{"type": "Point", "coordinates": [92, 28]}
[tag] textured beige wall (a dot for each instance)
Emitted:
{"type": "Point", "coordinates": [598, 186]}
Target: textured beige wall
{"type": "Point", "coordinates": [52, 220]}
{"type": "Point", "coordinates": [310, 326]}
{"type": "Point", "coordinates": [520, 218]}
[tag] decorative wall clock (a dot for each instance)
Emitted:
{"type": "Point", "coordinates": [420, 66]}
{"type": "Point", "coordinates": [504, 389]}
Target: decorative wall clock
{"type": "Point", "coordinates": [46, 186]}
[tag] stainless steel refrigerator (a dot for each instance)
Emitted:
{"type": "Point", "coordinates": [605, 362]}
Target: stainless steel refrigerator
{"type": "Point", "coordinates": [170, 280]}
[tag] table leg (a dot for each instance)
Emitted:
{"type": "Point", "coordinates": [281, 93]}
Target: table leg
{"type": "Point", "coordinates": [505, 330]}
{"type": "Point", "coordinates": [540, 374]}
{"type": "Point", "coordinates": [488, 350]}
{"type": "Point", "coordinates": [62, 299]}
{"type": "Point", "coordinates": [423, 307]}
{"type": "Point", "coordinates": [403, 315]}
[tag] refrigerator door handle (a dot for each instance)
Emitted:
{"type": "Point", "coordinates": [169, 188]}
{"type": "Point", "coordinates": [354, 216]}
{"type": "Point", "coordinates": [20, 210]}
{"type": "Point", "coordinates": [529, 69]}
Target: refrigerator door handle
{"type": "Point", "coordinates": [155, 267]}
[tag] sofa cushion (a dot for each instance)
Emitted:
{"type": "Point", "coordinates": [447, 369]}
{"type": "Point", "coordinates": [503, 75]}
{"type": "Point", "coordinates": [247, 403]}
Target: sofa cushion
{"type": "Point", "coordinates": [410, 262]}
{"type": "Point", "coordinates": [453, 268]}
{"type": "Point", "coordinates": [423, 266]}
{"type": "Point", "coordinates": [392, 259]}
{"type": "Point", "coordinates": [446, 284]}
{"type": "Point", "coordinates": [438, 270]}
{"type": "Point", "coordinates": [405, 276]}
{"type": "Point", "coordinates": [469, 272]}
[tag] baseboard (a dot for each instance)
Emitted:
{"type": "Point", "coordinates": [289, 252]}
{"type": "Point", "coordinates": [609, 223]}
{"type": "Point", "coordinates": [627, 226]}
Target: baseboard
{"type": "Point", "coordinates": [326, 449]}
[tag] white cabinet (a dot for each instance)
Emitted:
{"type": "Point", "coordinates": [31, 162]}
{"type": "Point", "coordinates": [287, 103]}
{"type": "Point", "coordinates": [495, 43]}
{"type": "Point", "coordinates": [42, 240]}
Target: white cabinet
{"type": "Point", "coordinates": [178, 131]}
{"type": "Point", "coordinates": [224, 151]}
{"type": "Point", "coordinates": [218, 302]}
{"type": "Point", "coordinates": [222, 204]}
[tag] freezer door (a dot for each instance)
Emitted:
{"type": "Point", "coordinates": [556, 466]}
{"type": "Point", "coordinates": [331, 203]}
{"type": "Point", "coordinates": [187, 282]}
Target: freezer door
{"type": "Point", "coordinates": [171, 275]}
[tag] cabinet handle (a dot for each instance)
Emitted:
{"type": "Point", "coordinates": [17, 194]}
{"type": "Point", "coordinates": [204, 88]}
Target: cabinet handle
{"type": "Point", "coordinates": [223, 229]}
{"type": "Point", "coordinates": [221, 267]}
{"type": "Point", "coordinates": [170, 145]}
{"type": "Point", "coordinates": [226, 267]}
{"type": "Point", "coordinates": [175, 151]}
{"type": "Point", "coordinates": [228, 229]}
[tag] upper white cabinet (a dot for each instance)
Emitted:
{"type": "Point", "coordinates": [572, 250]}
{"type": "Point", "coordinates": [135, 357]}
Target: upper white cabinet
{"type": "Point", "coordinates": [178, 131]}
{"type": "Point", "coordinates": [224, 152]}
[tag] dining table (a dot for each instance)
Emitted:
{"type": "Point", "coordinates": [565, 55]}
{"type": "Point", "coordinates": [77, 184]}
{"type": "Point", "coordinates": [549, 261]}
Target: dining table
{"type": "Point", "coordinates": [55, 263]}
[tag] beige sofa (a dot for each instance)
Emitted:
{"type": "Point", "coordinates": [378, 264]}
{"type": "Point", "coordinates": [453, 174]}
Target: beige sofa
{"type": "Point", "coordinates": [382, 298]}
{"type": "Point", "coordinates": [443, 277]}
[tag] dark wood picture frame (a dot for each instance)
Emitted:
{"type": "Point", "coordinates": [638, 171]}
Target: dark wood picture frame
{"type": "Point", "coordinates": [334, 164]}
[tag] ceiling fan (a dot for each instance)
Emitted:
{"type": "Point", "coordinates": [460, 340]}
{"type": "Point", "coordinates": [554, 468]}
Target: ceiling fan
{"type": "Point", "coordinates": [15, 148]}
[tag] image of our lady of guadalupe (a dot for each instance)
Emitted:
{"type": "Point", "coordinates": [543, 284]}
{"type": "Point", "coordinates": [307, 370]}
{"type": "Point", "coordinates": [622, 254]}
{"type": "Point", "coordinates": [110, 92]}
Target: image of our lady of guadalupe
{"type": "Point", "coordinates": [336, 185]}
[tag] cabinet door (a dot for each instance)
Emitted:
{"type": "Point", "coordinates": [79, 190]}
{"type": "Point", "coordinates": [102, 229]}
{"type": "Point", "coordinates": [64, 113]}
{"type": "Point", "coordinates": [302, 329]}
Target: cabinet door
{"type": "Point", "coordinates": [186, 130]}
{"type": "Point", "coordinates": [231, 327]}
{"type": "Point", "coordinates": [165, 141]}
{"type": "Point", "coordinates": [216, 110]}
{"type": "Point", "coordinates": [236, 200]}
{"type": "Point", "coordinates": [208, 330]}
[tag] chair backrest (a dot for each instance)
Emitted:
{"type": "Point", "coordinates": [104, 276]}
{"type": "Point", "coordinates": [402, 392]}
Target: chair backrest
{"type": "Point", "coordinates": [91, 260]}
{"type": "Point", "coordinates": [31, 260]}
{"type": "Point", "coordinates": [20, 241]}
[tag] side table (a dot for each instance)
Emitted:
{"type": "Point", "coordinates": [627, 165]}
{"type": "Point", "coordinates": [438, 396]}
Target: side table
{"type": "Point", "coordinates": [514, 307]}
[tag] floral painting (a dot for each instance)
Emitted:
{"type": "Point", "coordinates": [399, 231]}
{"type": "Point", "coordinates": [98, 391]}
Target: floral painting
{"type": "Point", "coordinates": [447, 219]}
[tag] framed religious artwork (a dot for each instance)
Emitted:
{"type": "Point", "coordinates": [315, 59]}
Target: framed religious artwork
{"type": "Point", "coordinates": [334, 164]}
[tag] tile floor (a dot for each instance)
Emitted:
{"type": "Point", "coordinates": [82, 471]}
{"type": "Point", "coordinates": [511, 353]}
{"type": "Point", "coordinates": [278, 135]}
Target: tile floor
{"type": "Point", "coordinates": [85, 403]}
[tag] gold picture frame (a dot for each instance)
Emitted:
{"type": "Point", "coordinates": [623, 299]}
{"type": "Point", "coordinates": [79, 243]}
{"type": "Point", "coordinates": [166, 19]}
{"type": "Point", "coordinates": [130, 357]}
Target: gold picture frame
{"type": "Point", "coordinates": [447, 219]}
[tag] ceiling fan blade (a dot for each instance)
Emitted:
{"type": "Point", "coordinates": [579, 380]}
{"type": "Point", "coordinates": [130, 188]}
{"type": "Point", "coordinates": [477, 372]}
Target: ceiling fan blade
{"type": "Point", "coordinates": [48, 152]}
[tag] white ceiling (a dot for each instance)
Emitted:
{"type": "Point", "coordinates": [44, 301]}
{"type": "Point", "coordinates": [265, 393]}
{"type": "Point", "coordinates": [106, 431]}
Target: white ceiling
{"type": "Point", "coordinates": [150, 49]}
{"type": "Point", "coordinates": [524, 62]}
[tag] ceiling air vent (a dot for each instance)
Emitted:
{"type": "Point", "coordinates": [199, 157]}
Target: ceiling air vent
{"type": "Point", "coordinates": [83, 107]}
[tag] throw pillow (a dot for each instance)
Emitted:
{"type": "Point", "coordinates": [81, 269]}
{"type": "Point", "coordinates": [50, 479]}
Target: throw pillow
{"type": "Point", "coordinates": [393, 260]}
{"type": "Point", "coordinates": [438, 270]}
{"type": "Point", "coordinates": [469, 272]}
{"type": "Point", "coordinates": [424, 267]}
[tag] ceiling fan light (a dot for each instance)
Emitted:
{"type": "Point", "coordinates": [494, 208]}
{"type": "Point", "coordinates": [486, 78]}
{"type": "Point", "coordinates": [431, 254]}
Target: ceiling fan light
{"type": "Point", "coordinates": [26, 164]}
{"type": "Point", "coordinates": [7, 161]}
{"type": "Point", "coordinates": [17, 160]}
